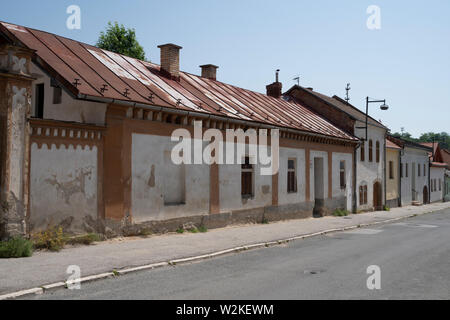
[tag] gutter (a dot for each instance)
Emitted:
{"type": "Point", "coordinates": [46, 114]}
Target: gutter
{"type": "Point", "coordinates": [206, 116]}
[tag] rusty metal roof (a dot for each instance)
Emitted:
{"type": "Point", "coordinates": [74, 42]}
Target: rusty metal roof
{"type": "Point", "coordinates": [87, 71]}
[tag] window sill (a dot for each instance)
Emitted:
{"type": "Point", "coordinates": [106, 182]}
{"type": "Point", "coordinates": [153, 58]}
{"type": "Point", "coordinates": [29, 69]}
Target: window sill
{"type": "Point", "coordinates": [247, 196]}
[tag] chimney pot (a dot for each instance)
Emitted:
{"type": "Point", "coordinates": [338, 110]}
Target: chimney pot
{"type": "Point", "coordinates": [170, 60]}
{"type": "Point", "coordinates": [209, 71]}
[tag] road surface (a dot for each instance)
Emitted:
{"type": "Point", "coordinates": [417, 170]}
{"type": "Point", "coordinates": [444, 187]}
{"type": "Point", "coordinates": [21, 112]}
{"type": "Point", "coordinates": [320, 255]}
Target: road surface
{"type": "Point", "coordinates": [413, 257]}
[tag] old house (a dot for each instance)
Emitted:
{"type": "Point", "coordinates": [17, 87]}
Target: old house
{"type": "Point", "coordinates": [87, 143]}
{"type": "Point", "coordinates": [437, 171]}
{"type": "Point", "coordinates": [393, 187]}
{"type": "Point", "coordinates": [414, 172]}
{"type": "Point", "coordinates": [370, 155]}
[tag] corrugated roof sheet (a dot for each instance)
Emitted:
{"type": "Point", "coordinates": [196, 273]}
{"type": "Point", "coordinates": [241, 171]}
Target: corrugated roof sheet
{"type": "Point", "coordinates": [86, 70]}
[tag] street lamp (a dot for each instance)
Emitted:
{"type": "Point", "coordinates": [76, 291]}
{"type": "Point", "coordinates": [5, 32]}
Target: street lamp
{"type": "Point", "coordinates": [383, 107]}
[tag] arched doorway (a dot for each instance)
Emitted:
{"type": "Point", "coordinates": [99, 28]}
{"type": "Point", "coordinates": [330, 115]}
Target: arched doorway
{"type": "Point", "coordinates": [425, 195]}
{"type": "Point", "coordinates": [377, 196]}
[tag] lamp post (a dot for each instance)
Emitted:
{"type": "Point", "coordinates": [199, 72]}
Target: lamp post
{"type": "Point", "coordinates": [384, 106]}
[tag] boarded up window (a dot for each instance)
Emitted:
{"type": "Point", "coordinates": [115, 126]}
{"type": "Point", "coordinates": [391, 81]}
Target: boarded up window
{"type": "Point", "coordinates": [342, 174]}
{"type": "Point", "coordinates": [291, 176]}
{"type": "Point", "coordinates": [363, 151]}
{"type": "Point", "coordinates": [370, 151]}
{"type": "Point", "coordinates": [174, 181]}
{"type": "Point", "coordinates": [418, 169]}
{"type": "Point", "coordinates": [246, 178]}
{"type": "Point", "coordinates": [377, 151]}
{"type": "Point", "coordinates": [401, 170]}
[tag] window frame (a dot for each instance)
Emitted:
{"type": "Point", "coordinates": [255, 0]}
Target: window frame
{"type": "Point", "coordinates": [292, 186]}
{"type": "Point", "coordinates": [247, 169]}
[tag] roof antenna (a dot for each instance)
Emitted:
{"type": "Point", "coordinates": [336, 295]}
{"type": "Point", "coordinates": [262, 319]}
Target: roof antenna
{"type": "Point", "coordinates": [276, 75]}
{"type": "Point", "coordinates": [347, 89]}
{"type": "Point", "coordinates": [297, 79]}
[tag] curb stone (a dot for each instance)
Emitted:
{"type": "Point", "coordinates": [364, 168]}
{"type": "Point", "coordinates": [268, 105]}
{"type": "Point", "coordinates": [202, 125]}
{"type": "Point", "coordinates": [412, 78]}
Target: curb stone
{"type": "Point", "coordinates": [58, 285]}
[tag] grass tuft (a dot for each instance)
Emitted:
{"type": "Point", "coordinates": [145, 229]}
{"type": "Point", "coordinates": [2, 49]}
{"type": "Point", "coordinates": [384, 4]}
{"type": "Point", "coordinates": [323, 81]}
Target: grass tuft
{"type": "Point", "coordinates": [340, 213]}
{"type": "Point", "coordinates": [16, 247]}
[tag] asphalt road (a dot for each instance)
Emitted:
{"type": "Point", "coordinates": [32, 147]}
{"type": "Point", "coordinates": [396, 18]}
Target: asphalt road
{"type": "Point", "coordinates": [413, 256]}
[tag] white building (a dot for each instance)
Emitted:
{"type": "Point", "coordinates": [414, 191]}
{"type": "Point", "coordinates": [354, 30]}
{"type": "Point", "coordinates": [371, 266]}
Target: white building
{"type": "Point", "coordinates": [370, 189]}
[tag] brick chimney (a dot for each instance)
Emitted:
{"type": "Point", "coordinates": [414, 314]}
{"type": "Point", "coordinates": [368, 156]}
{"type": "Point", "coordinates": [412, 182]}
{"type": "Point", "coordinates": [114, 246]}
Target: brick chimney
{"type": "Point", "coordinates": [209, 71]}
{"type": "Point", "coordinates": [274, 89]}
{"type": "Point", "coordinates": [170, 60]}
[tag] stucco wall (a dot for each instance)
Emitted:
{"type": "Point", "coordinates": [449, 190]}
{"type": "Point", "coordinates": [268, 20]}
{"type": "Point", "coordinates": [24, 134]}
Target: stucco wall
{"type": "Point", "coordinates": [283, 196]}
{"type": "Point", "coordinates": [154, 175]}
{"type": "Point", "coordinates": [230, 187]}
{"type": "Point", "coordinates": [69, 109]}
{"type": "Point", "coordinates": [63, 188]}
{"type": "Point", "coordinates": [392, 184]}
{"type": "Point", "coordinates": [336, 186]}
{"type": "Point", "coordinates": [413, 156]}
{"type": "Point", "coordinates": [369, 172]}
{"type": "Point", "coordinates": [438, 175]}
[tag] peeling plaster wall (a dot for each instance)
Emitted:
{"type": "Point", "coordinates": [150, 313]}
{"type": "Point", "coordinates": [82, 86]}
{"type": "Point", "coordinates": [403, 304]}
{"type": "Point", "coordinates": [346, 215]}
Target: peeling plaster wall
{"type": "Point", "coordinates": [283, 196]}
{"type": "Point", "coordinates": [153, 175]}
{"type": "Point", "coordinates": [413, 156]}
{"type": "Point", "coordinates": [63, 188]}
{"type": "Point", "coordinates": [230, 187]}
{"type": "Point", "coordinates": [437, 173]}
{"type": "Point", "coordinates": [69, 109]}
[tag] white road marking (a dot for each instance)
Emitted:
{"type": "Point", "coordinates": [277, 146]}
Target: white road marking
{"type": "Point", "coordinates": [365, 231]}
{"type": "Point", "coordinates": [414, 225]}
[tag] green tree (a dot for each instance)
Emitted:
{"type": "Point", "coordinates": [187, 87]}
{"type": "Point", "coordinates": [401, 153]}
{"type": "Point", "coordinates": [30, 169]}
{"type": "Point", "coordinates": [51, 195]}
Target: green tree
{"type": "Point", "coordinates": [442, 138]}
{"type": "Point", "coordinates": [121, 40]}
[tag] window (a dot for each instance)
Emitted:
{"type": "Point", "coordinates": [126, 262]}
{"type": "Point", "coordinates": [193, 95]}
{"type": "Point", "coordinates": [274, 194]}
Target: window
{"type": "Point", "coordinates": [418, 169]}
{"type": "Point", "coordinates": [246, 178]}
{"type": "Point", "coordinates": [401, 170]}
{"type": "Point", "coordinates": [57, 94]}
{"type": "Point", "coordinates": [377, 155]}
{"type": "Point", "coordinates": [363, 151]}
{"type": "Point", "coordinates": [342, 174]}
{"type": "Point", "coordinates": [291, 177]}
{"type": "Point", "coordinates": [370, 151]}
{"type": "Point", "coordinates": [407, 170]}
{"type": "Point", "coordinates": [39, 108]}
{"type": "Point", "coordinates": [362, 195]}
{"type": "Point", "coordinates": [424, 170]}
{"type": "Point", "coordinates": [440, 186]}
{"type": "Point", "coordinates": [391, 169]}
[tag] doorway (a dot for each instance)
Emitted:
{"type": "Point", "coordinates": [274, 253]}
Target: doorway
{"type": "Point", "coordinates": [425, 195]}
{"type": "Point", "coordinates": [377, 198]}
{"type": "Point", "coordinates": [319, 189]}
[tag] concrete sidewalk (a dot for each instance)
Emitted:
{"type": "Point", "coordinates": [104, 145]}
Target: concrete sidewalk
{"type": "Point", "coordinates": [50, 267]}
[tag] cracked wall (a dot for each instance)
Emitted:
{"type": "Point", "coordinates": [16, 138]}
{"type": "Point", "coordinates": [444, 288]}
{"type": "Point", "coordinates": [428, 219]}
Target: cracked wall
{"type": "Point", "coordinates": [63, 188]}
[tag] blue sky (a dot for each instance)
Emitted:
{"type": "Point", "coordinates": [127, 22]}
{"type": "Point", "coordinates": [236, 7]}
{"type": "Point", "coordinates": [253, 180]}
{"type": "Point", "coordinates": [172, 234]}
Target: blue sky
{"type": "Point", "coordinates": [327, 43]}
